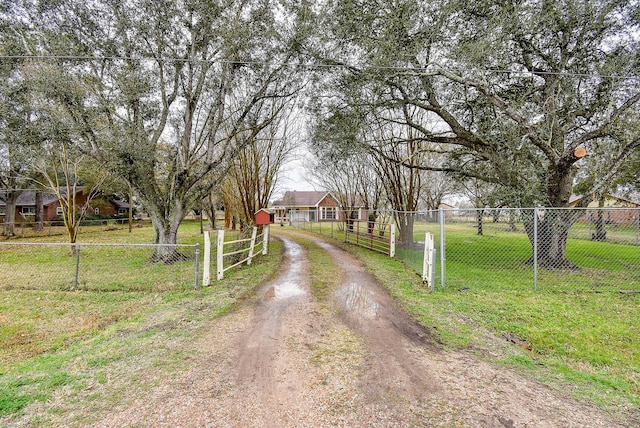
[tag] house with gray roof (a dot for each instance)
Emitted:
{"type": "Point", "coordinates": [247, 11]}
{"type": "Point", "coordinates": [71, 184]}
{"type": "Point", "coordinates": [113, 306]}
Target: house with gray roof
{"type": "Point", "coordinates": [305, 206]}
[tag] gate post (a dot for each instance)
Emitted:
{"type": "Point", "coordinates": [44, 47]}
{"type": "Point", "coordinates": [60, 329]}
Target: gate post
{"type": "Point", "coordinates": [265, 239]}
{"type": "Point", "coordinates": [206, 270]}
{"type": "Point", "coordinates": [220, 255]}
{"type": "Point", "coordinates": [197, 267]}
{"type": "Point", "coordinates": [392, 240]}
{"type": "Point", "coordinates": [254, 233]}
{"type": "Point", "coordinates": [428, 261]}
{"type": "Point", "coordinates": [535, 249]}
{"type": "Point", "coordinates": [77, 248]}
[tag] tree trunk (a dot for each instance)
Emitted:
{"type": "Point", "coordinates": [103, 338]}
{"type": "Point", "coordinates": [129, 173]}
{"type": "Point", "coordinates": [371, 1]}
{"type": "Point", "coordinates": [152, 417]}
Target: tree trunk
{"type": "Point", "coordinates": [553, 231]}
{"type": "Point", "coordinates": [405, 228]}
{"type": "Point", "coordinates": [512, 221]}
{"type": "Point", "coordinates": [9, 225]}
{"type": "Point", "coordinates": [601, 231]}
{"type": "Point", "coordinates": [165, 228]}
{"type": "Point", "coordinates": [553, 227]}
{"type": "Point", "coordinates": [227, 218]}
{"type": "Point", "coordinates": [479, 218]}
{"type": "Point", "coordinates": [210, 209]}
{"type": "Point", "coordinates": [39, 212]}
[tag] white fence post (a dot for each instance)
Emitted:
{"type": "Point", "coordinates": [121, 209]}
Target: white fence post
{"type": "Point", "coordinates": [392, 241]}
{"type": "Point", "coordinates": [443, 248]}
{"type": "Point", "coordinates": [220, 255]}
{"type": "Point", "coordinates": [253, 244]}
{"type": "Point", "coordinates": [535, 249]}
{"type": "Point", "coordinates": [206, 270]}
{"type": "Point", "coordinates": [265, 240]}
{"type": "Point", "coordinates": [427, 266]}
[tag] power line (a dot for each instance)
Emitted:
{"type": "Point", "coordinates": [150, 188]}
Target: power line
{"type": "Point", "coordinates": [427, 69]}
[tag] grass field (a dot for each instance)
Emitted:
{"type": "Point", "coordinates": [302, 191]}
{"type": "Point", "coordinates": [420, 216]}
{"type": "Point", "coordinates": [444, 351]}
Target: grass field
{"type": "Point", "coordinates": [53, 340]}
{"type": "Point", "coordinates": [566, 333]}
{"type": "Point", "coordinates": [498, 260]}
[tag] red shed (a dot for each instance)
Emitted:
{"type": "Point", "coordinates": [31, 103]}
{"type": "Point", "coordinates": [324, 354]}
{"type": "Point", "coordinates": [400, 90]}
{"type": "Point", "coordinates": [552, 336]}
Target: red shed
{"type": "Point", "coordinates": [263, 216]}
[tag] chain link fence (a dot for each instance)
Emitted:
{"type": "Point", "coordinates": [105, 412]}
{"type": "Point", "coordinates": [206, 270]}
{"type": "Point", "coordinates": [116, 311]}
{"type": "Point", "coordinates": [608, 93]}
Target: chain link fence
{"type": "Point", "coordinates": [540, 249]}
{"type": "Point", "coordinates": [98, 267]}
{"type": "Point", "coordinates": [536, 249]}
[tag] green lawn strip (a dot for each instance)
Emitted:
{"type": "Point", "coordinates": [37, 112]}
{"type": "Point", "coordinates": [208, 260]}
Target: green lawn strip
{"type": "Point", "coordinates": [113, 267]}
{"type": "Point", "coordinates": [589, 340]}
{"type": "Point", "coordinates": [98, 349]}
{"type": "Point", "coordinates": [322, 269]}
{"type": "Point", "coordinates": [500, 260]}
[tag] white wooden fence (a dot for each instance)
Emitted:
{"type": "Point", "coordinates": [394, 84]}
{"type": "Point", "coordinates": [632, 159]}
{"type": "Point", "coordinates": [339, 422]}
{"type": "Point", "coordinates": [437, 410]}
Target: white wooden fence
{"type": "Point", "coordinates": [244, 248]}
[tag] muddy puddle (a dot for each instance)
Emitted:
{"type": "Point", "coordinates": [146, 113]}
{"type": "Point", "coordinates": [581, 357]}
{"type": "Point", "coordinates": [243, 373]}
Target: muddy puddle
{"type": "Point", "coordinates": [356, 296]}
{"type": "Point", "coordinates": [358, 300]}
{"type": "Point", "coordinates": [289, 283]}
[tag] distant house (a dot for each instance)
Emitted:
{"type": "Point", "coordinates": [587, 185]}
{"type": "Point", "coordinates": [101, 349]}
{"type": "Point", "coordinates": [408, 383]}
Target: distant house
{"type": "Point", "coordinates": [303, 206]}
{"type": "Point", "coordinates": [101, 207]}
{"type": "Point", "coordinates": [610, 201]}
{"type": "Point", "coordinates": [613, 216]}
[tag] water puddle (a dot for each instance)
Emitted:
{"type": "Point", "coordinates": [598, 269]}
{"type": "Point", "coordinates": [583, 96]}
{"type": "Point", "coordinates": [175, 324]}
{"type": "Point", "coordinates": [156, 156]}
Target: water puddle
{"type": "Point", "coordinates": [359, 300]}
{"type": "Point", "coordinates": [288, 285]}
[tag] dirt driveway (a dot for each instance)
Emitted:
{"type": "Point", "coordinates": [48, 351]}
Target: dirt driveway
{"type": "Point", "coordinates": [289, 360]}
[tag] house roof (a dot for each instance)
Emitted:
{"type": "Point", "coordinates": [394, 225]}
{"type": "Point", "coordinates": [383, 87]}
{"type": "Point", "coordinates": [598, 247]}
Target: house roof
{"type": "Point", "coordinates": [574, 199]}
{"type": "Point", "coordinates": [301, 199]}
{"type": "Point", "coordinates": [268, 211]}
{"type": "Point", "coordinates": [28, 198]}
{"type": "Point", "coordinates": [120, 204]}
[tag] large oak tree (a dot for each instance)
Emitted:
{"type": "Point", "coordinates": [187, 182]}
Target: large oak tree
{"type": "Point", "coordinates": [166, 94]}
{"type": "Point", "coordinates": [508, 89]}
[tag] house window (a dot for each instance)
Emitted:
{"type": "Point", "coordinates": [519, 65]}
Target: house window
{"type": "Point", "coordinates": [3, 210]}
{"type": "Point", "coordinates": [328, 213]}
{"type": "Point", "coordinates": [96, 211]}
{"type": "Point", "coordinates": [58, 210]}
{"type": "Point", "coordinates": [28, 210]}
{"type": "Point", "coordinates": [122, 211]}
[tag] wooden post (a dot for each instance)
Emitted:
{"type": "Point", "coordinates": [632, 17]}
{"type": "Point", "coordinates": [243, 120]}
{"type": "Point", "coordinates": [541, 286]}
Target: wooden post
{"type": "Point", "coordinates": [427, 266]}
{"type": "Point", "coordinates": [253, 244]}
{"type": "Point", "coordinates": [220, 255]}
{"type": "Point", "coordinates": [265, 240]}
{"type": "Point", "coordinates": [392, 240]}
{"type": "Point", "coordinates": [206, 270]}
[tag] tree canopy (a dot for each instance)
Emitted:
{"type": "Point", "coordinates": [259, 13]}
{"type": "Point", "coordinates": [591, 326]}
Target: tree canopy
{"type": "Point", "coordinates": [506, 90]}
{"type": "Point", "coordinates": [169, 94]}
{"type": "Point", "coordinates": [163, 94]}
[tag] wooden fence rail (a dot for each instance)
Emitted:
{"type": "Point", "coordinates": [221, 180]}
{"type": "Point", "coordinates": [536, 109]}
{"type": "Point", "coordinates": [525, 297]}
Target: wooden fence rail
{"type": "Point", "coordinates": [244, 248]}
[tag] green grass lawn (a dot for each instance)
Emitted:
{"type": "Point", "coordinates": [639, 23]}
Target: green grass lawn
{"type": "Point", "coordinates": [499, 260]}
{"type": "Point", "coordinates": [106, 336]}
{"type": "Point", "coordinates": [569, 331]}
